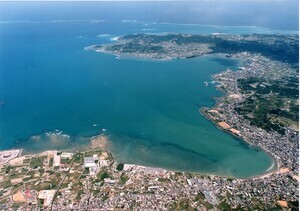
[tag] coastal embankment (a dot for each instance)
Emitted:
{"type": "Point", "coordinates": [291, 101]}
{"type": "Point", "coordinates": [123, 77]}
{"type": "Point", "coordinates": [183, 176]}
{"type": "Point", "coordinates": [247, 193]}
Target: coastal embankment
{"type": "Point", "coordinates": [274, 168]}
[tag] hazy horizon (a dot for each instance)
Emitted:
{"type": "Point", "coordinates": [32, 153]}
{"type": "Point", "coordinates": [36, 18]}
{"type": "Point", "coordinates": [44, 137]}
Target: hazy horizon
{"type": "Point", "coordinates": [270, 14]}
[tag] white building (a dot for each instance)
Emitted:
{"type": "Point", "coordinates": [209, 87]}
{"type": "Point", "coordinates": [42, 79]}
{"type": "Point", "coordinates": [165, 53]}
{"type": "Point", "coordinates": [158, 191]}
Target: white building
{"type": "Point", "coordinates": [89, 162]}
{"type": "Point", "coordinates": [66, 155]}
{"type": "Point", "coordinates": [110, 181]}
{"type": "Point", "coordinates": [56, 159]}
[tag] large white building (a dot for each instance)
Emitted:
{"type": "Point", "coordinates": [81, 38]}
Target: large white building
{"type": "Point", "coordinates": [89, 162]}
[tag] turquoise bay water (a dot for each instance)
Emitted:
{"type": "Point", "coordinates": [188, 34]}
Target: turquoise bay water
{"type": "Point", "coordinates": [58, 95]}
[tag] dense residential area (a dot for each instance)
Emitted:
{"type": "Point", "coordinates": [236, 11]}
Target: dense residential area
{"type": "Point", "coordinates": [55, 180]}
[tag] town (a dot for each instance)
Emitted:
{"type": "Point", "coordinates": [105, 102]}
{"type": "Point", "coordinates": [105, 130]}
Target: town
{"type": "Point", "coordinates": [92, 180]}
{"type": "Point", "coordinates": [285, 148]}
{"type": "Point", "coordinates": [283, 48]}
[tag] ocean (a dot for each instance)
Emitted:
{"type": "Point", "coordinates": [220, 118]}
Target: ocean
{"type": "Point", "coordinates": [57, 95]}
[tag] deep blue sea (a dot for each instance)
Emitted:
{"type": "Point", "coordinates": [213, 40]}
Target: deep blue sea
{"type": "Point", "coordinates": [57, 95]}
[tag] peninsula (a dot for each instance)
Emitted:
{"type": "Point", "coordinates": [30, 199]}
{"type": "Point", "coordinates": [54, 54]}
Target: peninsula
{"type": "Point", "coordinates": [278, 47]}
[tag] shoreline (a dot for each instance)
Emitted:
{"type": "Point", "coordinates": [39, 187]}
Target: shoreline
{"type": "Point", "coordinates": [102, 141]}
{"type": "Point", "coordinates": [275, 168]}
{"type": "Point", "coordinates": [223, 112]}
{"type": "Point", "coordinates": [272, 170]}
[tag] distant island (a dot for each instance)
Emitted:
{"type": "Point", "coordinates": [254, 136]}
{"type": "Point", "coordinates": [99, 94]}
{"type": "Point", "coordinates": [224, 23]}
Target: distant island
{"type": "Point", "coordinates": [278, 47]}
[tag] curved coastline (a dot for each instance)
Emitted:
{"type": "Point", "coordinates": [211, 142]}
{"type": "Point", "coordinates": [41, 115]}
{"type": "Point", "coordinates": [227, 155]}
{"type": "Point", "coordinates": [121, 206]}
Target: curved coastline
{"type": "Point", "coordinates": [218, 100]}
{"type": "Point", "coordinates": [203, 111]}
{"type": "Point", "coordinates": [268, 171]}
{"type": "Point", "coordinates": [103, 141]}
{"type": "Point", "coordinates": [275, 166]}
